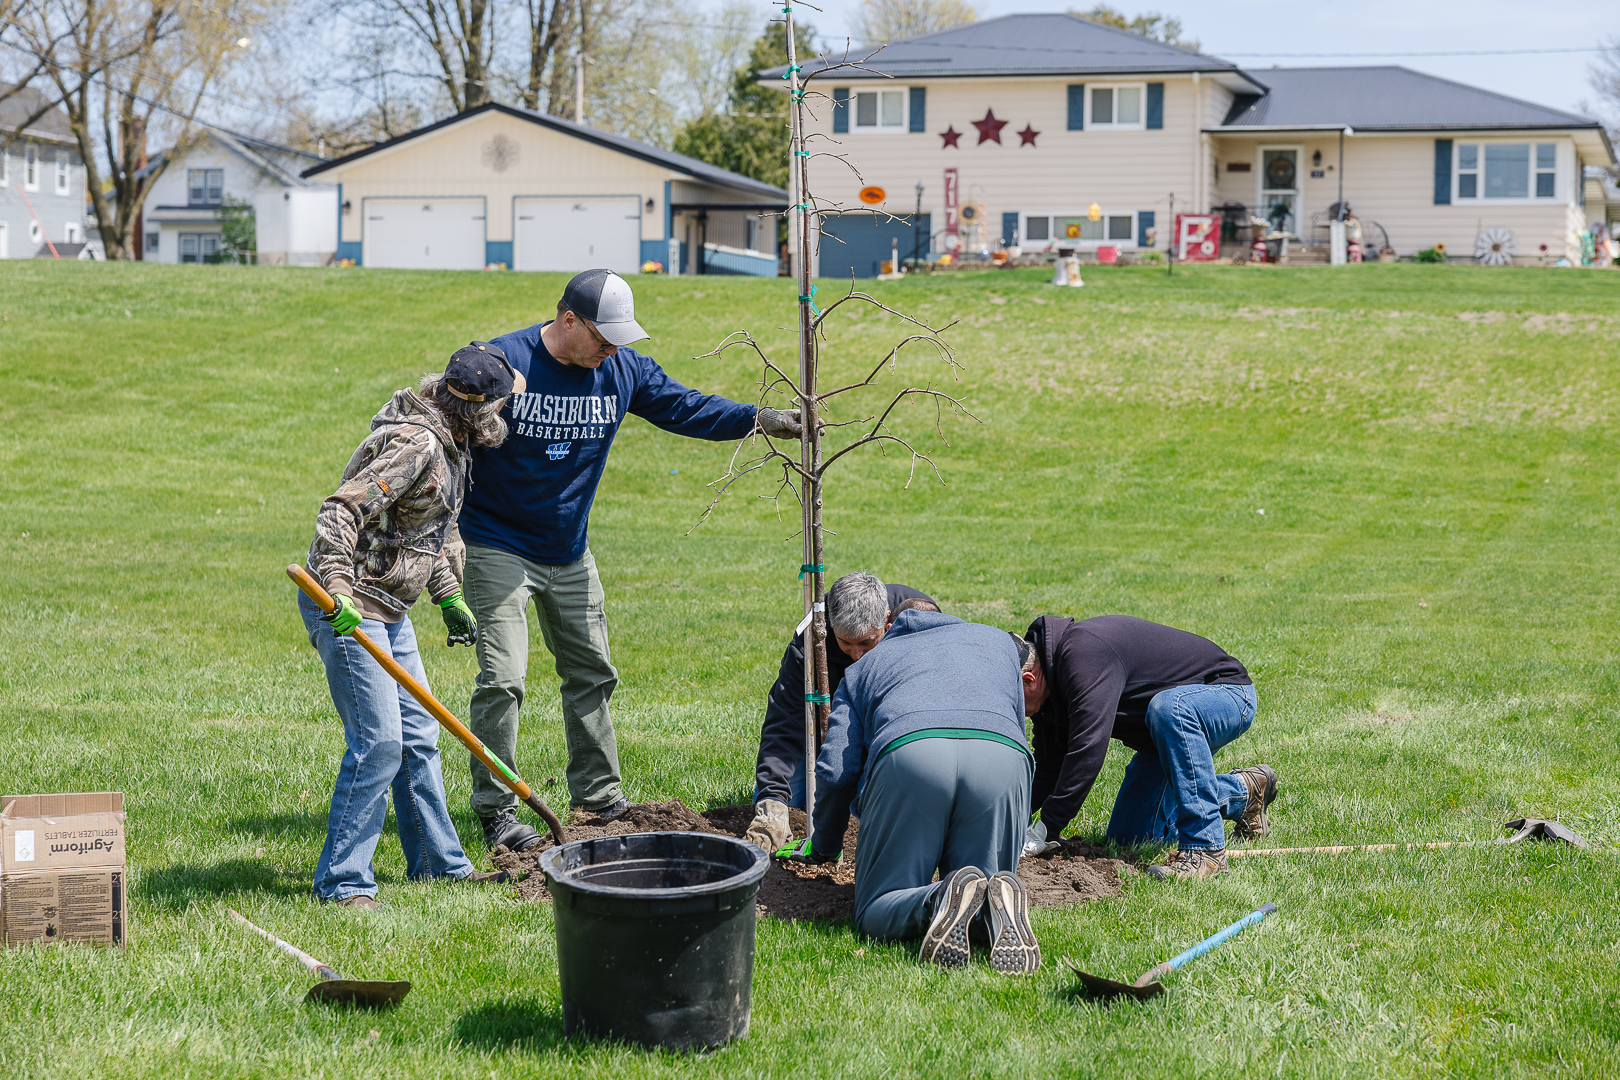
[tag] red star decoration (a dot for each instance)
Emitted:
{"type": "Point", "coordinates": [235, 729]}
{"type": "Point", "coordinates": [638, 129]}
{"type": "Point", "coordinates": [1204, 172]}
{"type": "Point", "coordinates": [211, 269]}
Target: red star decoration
{"type": "Point", "coordinates": [950, 135]}
{"type": "Point", "coordinates": [989, 127]}
{"type": "Point", "coordinates": [1027, 136]}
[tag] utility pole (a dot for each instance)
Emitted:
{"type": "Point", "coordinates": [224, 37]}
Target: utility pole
{"type": "Point", "coordinates": [916, 231]}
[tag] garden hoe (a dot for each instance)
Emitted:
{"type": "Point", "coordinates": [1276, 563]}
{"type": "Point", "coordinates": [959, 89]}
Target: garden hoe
{"type": "Point", "coordinates": [444, 716]}
{"type": "Point", "coordinates": [1148, 985]}
{"type": "Point", "coordinates": [334, 987]}
{"type": "Point", "coordinates": [1522, 829]}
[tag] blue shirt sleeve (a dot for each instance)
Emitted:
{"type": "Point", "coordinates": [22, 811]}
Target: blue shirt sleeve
{"type": "Point", "coordinates": [838, 770]}
{"type": "Point", "coordinates": [661, 400]}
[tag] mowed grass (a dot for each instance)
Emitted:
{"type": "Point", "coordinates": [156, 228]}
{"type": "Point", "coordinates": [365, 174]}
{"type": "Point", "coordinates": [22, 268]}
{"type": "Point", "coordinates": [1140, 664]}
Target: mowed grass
{"type": "Point", "coordinates": [1427, 603]}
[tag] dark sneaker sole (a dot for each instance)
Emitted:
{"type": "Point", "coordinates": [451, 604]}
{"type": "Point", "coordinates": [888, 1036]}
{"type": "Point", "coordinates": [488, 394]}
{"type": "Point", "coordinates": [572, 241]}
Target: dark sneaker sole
{"type": "Point", "coordinates": [1267, 797]}
{"type": "Point", "coordinates": [946, 942]}
{"type": "Point", "coordinates": [1014, 950]}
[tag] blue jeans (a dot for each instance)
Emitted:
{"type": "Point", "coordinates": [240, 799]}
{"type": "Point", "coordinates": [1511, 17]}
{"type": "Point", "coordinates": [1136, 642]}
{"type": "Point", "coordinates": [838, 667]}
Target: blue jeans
{"type": "Point", "coordinates": [392, 741]}
{"type": "Point", "coordinates": [1174, 795]}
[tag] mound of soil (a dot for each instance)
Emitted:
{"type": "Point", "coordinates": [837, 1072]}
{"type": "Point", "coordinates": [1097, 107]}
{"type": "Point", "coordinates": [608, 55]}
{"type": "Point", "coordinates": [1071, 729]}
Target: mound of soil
{"type": "Point", "coordinates": [1074, 875]}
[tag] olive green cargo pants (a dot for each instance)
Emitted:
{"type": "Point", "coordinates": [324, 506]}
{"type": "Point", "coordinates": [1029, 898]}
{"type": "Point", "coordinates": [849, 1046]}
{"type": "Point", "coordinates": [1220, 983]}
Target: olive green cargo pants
{"type": "Point", "coordinates": [571, 609]}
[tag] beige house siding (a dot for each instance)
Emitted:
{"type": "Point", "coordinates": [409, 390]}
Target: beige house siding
{"type": "Point", "coordinates": [1123, 172]}
{"type": "Point", "coordinates": [460, 161]}
{"type": "Point", "coordinates": [1390, 179]}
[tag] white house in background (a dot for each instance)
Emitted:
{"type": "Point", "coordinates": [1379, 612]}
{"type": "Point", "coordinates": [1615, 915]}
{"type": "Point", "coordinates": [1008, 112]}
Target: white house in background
{"type": "Point", "coordinates": [295, 223]}
{"type": "Point", "coordinates": [42, 182]}
{"type": "Point", "coordinates": [503, 185]}
{"type": "Point", "coordinates": [1059, 132]}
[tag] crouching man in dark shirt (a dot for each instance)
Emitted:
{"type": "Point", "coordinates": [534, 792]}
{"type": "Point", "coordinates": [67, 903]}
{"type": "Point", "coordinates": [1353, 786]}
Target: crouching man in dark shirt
{"type": "Point", "coordinates": [860, 608]}
{"type": "Point", "coordinates": [1173, 697]}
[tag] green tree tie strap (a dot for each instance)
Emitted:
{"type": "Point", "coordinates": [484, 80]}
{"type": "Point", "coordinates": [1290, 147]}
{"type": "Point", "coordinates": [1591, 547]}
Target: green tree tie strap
{"type": "Point", "coordinates": [791, 68]}
{"type": "Point", "coordinates": [812, 568]}
{"type": "Point", "coordinates": [811, 299]}
{"type": "Point", "coordinates": [817, 699]}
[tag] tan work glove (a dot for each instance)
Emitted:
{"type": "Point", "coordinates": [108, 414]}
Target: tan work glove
{"type": "Point", "coordinates": [769, 829]}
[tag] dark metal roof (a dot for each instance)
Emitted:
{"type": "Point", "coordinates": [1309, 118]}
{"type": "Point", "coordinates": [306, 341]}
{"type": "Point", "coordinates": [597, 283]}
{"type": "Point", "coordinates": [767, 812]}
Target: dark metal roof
{"type": "Point", "coordinates": [702, 170]}
{"type": "Point", "coordinates": [1024, 45]}
{"type": "Point", "coordinates": [1385, 99]}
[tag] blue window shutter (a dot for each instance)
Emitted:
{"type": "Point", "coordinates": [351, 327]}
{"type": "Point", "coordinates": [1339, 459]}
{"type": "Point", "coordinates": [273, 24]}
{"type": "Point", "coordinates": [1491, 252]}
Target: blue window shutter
{"type": "Point", "coordinates": [1077, 107]}
{"type": "Point", "coordinates": [1144, 222]}
{"type": "Point", "coordinates": [840, 109]}
{"type": "Point", "coordinates": [1009, 228]}
{"type": "Point", "coordinates": [1155, 105]}
{"type": "Point", "coordinates": [1442, 172]}
{"type": "Point", "coordinates": [919, 108]}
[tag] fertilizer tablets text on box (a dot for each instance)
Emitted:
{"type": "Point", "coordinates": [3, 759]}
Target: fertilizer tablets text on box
{"type": "Point", "coordinates": [62, 869]}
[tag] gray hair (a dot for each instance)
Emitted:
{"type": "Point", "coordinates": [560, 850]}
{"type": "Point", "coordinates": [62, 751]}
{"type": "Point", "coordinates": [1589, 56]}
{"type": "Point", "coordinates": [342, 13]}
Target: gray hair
{"type": "Point", "coordinates": [475, 423]}
{"type": "Point", "coordinates": [857, 605]}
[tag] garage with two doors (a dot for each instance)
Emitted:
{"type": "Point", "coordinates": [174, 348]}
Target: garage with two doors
{"type": "Point", "coordinates": [507, 187]}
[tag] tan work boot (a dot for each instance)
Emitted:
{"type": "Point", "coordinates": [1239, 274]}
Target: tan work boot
{"type": "Point", "coordinates": [1261, 781]}
{"type": "Point", "coordinates": [1191, 865]}
{"type": "Point", "coordinates": [769, 829]}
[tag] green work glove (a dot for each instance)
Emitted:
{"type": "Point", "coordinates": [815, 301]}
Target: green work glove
{"type": "Point", "coordinates": [801, 852]}
{"type": "Point", "coordinates": [459, 621]}
{"type": "Point", "coordinates": [345, 617]}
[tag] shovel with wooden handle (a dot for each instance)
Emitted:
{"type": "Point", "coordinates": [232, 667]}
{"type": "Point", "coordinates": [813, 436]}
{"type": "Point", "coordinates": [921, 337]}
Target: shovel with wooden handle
{"type": "Point", "coordinates": [444, 716]}
{"type": "Point", "coordinates": [334, 987]}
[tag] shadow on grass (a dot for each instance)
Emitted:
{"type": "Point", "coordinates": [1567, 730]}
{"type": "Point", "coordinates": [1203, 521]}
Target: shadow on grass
{"type": "Point", "coordinates": [513, 1024]}
{"type": "Point", "coordinates": [295, 824]}
{"type": "Point", "coordinates": [173, 887]}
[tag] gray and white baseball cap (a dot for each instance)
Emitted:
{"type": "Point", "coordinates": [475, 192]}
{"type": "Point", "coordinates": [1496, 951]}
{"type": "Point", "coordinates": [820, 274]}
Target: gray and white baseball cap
{"type": "Point", "coordinates": [604, 298]}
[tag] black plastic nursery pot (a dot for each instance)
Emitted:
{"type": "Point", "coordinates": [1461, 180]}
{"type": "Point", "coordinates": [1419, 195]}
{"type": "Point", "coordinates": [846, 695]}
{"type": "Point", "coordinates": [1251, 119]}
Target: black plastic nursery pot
{"type": "Point", "coordinates": [655, 936]}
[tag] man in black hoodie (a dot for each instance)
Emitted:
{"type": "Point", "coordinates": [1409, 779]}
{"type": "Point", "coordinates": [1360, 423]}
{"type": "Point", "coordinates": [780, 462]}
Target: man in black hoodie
{"type": "Point", "coordinates": [1173, 697]}
{"type": "Point", "coordinates": [860, 609]}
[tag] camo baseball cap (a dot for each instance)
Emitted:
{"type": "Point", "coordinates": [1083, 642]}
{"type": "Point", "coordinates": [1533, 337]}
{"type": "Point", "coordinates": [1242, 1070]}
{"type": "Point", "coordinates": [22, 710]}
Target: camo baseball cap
{"type": "Point", "coordinates": [603, 298]}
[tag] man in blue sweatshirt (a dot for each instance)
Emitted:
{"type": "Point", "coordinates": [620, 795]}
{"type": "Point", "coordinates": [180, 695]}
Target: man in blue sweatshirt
{"type": "Point", "coordinates": [525, 519]}
{"type": "Point", "coordinates": [926, 739]}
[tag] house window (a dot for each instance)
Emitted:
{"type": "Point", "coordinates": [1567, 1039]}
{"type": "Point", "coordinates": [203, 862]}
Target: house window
{"type": "Point", "coordinates": [35, 236]}
{"type": "Point", "coordinates": [31, 168]}
{"type": "Point", "coordinates": [1119, 228]}
{"type": "Point", "coordinates": [152, 239]}
{"type": "Point", "coordinates": [750, 232]}
{"type": "Point", "coordinates": [880, 109]}
{"type": "Point", "coordinates": [1468, 171]}
{"type": "Point", "coordinates": [1038, 228]}
{"type": "Point", "coordinates": [71, 233]}
{"type": "Point", "coordinates": [205, 186]}
{"type": "Point", "coordinates": [61, 172]}
{"type": "Point", "coordinates": [198, 247]}
{"type": "Point", "coordinates": [5, 167]}
{"type": "Point", "coordinates": [1117, 106]}
{"type": "Point", "coordinates": [1546, 170]}
{"type": "Point", "coordinates": [1504, 170]}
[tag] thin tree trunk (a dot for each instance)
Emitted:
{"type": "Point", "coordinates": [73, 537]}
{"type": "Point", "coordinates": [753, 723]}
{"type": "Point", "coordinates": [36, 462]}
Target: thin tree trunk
{"type": "Point", "coordinates": [544, 35]}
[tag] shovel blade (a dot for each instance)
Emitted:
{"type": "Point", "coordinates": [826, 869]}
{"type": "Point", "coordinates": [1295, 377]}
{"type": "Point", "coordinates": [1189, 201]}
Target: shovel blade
{"type": "Point", "coordinates": [360, 993]}
{"type": "Point", "coordinates": [1101, 987]}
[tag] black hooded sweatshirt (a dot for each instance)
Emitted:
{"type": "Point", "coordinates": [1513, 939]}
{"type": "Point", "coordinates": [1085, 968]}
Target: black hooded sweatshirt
{"type": "Point", "coordinates": [1101, 674]}
{"type": "Point", "coordinates": [781, 739]}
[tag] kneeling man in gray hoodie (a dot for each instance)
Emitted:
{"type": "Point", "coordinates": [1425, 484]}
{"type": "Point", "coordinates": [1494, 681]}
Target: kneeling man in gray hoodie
{"type": "Point", "coordinates": [926, 742]}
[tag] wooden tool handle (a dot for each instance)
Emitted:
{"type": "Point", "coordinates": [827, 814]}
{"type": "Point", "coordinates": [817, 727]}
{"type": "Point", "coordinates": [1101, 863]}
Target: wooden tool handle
{"type": "Point", "coordinates": [444, 716]}
{"type": "Point", "coordinates": [291, 950]}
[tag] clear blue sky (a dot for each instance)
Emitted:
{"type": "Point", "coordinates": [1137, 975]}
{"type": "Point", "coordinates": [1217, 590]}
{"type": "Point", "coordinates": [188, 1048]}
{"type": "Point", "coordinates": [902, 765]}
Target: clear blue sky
{"type": "Point", "coordinates": [1370, 26]}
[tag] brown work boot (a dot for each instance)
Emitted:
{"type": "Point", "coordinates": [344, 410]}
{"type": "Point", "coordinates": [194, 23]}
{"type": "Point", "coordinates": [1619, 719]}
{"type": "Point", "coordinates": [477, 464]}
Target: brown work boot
{"type": "Point", "coordinates": [1191, 865]}
{"type": "Point", "coordinates": [1262, 784]}
{"type": "Point", "coordinates": [362, 901]}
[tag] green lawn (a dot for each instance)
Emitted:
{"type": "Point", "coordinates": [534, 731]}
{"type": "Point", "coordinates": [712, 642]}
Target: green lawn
{"type": "Point", "coordinates": [1427, 603]}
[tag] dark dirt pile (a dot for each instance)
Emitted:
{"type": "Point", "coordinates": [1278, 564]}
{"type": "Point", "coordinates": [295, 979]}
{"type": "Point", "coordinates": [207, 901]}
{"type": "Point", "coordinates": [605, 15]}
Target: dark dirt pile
{"type": "Point", "coordinates": [1077, 874]}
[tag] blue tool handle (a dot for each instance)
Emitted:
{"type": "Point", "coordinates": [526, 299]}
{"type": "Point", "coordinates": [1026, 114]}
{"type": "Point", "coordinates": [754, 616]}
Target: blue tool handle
{"type": "Point", "coordinates": [1215, 939]}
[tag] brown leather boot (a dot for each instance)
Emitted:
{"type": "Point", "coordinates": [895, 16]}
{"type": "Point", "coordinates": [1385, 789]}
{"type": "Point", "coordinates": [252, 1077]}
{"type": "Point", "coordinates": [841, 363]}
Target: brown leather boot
{"type": "Point", "coordinates": [1191, 865]}
{"type": "Point", "coordinates": [1261, 781]}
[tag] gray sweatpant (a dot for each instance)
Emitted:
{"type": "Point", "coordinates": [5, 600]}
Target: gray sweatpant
{"type": "Point", "coordinates": [936, 802]}
{"type": "Point", "coordinates": [571, 609]}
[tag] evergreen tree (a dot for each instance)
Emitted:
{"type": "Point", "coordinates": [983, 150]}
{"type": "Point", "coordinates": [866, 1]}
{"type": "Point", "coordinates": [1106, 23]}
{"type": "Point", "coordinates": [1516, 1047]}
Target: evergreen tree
{"type": "Point", "coordinates": [751, 136]}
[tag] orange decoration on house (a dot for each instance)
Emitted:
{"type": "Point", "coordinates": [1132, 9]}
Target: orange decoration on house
{"type": "Point", "coordinates": [871, 196]}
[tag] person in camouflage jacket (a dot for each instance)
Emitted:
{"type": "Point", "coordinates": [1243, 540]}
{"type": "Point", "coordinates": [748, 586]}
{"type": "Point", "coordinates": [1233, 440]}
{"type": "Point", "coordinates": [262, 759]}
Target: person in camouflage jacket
{"type": "Point", "coordinates": [388, 532]}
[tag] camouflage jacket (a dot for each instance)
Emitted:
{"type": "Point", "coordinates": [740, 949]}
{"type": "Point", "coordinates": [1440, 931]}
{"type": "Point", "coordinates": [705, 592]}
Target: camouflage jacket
{"type": "Point", "coordinates": [390, 529]}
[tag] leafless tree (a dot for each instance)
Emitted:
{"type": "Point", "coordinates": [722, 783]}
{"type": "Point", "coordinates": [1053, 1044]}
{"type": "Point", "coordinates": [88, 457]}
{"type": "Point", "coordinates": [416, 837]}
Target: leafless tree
{"type": "Point", "coordinates": [1604, 77]}
{"type": "Point", "coordinates": [803, 469]}
{"type": "Point", "coordinates": [120, 69]}
{"type": "Point", "coordinates": [880, 21]}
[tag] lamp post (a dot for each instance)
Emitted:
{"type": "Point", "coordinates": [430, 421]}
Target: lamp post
{"type": "Point", "coordinates": [916, 229]}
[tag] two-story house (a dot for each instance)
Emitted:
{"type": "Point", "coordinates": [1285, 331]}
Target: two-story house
{"type": "Point", "coordinates": [1040, 131]}
{"type": "Point", "coordinates": [181, 220]}
{"type": "Point", "coordinates": [42, 180]}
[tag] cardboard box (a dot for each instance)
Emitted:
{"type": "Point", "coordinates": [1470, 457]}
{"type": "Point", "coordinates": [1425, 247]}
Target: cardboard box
{"type": "Point", "coordinates": [62, 869]}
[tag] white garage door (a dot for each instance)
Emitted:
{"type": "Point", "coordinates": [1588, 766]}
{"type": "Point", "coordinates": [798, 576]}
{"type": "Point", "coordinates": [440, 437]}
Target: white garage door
{"type": "Point", "coordinates": [574, 233]}
{"type": "Point", "coordinates": [424, 234]}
